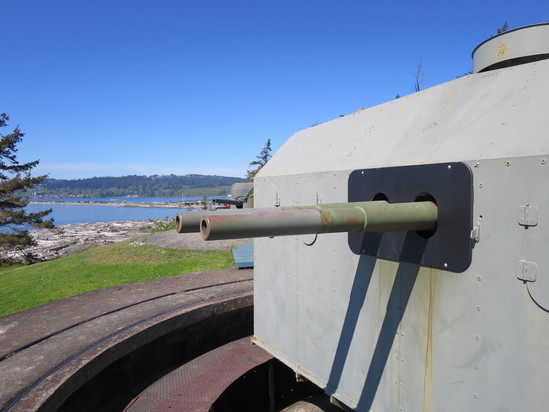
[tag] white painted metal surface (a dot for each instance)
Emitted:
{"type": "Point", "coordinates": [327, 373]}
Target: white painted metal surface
{"type": "Point", "coordinates": [482, 116]}
{"type": "Point", "coordinates": [522, 44]}
{"type": "Point", "coordinates": [388, 336]}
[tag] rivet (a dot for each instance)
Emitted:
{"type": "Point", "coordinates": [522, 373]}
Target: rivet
{"type": "Point", "coordinates": [542, 161]}
{"type": "Point", "coordinates": [476, 367]}
{"type": "Point", "coordinates": [475, 395]}
{"type": "Point", "coordinates": [507, 163]}
{"type": "Point", "coordinates": [445, 265]}
{"type": "Point", "coordinates": [478, 308]}
{"type": "Point", "coordinates": [479, 278]}
{"type": "Point", "coordinates": [477, 337]}
{"type": "Point", "coordinates": [477, 164]}
{"type": "Point", "coordinates": [449, 166]}
{"type": "Point", "coordinates": [401, 383]}
{"type": "Point", "coordinates": [480, 185]}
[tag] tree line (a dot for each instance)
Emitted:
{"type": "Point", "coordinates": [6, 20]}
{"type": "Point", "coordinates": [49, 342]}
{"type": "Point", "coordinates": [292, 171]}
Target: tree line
{"type": "Point", "coordinates": [141, 186]}
{"type": "Point", "coordinates": [17, 185]}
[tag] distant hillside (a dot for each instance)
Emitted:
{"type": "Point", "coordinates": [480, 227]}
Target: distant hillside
{"type": "Point", "coordinates": [140, 186]}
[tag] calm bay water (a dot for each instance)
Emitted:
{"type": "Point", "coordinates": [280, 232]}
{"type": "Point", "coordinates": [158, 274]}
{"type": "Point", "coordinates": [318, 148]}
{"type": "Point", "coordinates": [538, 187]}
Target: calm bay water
{"type": "Point", "coordinates": [65, 214]}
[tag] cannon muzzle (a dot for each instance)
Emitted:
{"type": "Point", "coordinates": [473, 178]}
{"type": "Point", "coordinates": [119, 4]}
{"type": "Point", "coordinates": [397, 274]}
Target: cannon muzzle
{"type": "Point", "coordinates": [361, 217]}
{"type": "Point", "coordinates": [189, 222]}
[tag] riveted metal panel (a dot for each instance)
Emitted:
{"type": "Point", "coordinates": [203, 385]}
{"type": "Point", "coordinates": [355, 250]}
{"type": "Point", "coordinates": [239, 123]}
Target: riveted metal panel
{"type": "Point", "coordinates": [389, 335]}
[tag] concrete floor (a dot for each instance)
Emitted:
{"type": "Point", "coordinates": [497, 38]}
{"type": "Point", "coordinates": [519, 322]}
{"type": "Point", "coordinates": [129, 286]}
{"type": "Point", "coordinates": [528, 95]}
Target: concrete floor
{"type": "Point", "coordinates": [48, 352]}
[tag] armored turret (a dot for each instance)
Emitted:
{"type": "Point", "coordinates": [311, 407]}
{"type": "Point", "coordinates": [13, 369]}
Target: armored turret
{"type": "Point", "coordinates": [447, 311]}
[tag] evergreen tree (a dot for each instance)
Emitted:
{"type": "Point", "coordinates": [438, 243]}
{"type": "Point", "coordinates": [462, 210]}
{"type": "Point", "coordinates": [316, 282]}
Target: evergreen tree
{"type": "Point", "coordinates": [262, 159]}
{"type": "Point", "coordinates": [15, 178]}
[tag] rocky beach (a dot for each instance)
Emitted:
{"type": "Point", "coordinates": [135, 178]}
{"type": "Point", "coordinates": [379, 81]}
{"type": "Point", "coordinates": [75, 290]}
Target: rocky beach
{"type": "Point", "coordinates": [68, 239]}
{"type": "Point", "coordinates": [72, 238]}
{"type": "Point", "coordinates": [76, 237]}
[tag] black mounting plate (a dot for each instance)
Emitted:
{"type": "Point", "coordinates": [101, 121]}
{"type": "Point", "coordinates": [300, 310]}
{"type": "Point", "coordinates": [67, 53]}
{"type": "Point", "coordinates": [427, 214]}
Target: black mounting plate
{"type": "Point", "coordinates": [450, 184]}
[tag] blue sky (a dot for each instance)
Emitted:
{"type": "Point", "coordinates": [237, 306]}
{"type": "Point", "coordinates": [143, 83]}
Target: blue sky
{"type": "Point", "coordinates": [118, 87]}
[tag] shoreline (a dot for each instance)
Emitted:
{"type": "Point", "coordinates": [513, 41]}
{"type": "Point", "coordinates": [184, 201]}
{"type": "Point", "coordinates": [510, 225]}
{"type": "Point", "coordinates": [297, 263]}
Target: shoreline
{"type": "Point", "coordinates": [76, 237]}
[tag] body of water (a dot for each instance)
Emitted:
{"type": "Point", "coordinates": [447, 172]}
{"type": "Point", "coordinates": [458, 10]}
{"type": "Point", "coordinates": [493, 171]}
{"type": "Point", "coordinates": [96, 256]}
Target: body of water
{"type": "Point", "coordinates": [64, 214]}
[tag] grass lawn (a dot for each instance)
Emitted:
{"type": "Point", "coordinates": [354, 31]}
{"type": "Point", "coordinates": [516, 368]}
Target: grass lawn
{"type": "Point", "coordinates": [119, 263]}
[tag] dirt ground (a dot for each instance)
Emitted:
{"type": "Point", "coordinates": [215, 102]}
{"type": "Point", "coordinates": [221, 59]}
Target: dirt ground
{"type": "Point", "coordinates": [174, 240]}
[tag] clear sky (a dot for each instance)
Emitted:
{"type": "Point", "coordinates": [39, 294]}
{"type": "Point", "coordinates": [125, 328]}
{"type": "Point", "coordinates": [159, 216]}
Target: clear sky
{"type": "Point", "coordinates": [119, 87]}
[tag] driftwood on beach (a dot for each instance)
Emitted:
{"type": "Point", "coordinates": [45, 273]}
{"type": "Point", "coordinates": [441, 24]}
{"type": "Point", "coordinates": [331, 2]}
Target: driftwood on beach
{"type": "Point", "coordinates": [67, 239]}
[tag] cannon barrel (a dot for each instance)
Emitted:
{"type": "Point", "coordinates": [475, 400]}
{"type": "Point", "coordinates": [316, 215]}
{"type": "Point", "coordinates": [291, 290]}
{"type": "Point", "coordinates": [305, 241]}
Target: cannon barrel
{"type": "Point", "coordinates": [375, 216]}
{"type": "Point", "coordinates": [189, 222]}
{"type": "Point", "coordinates": [237, 202]}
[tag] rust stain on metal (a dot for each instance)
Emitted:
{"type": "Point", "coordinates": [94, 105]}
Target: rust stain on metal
{"type": "Point", "coordinates": [325, 218]}
{"type": "Point", "coordinates": [428, 377]}
{"type": "Point", "coordinates": [352, 223]}
{"type": "Point", "coordinates": [196, 385]}
{"type": "Point", "coordinates": [501, 49]}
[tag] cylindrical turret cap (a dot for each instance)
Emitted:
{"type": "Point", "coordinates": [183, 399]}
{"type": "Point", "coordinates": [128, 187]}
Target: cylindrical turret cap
{"type": "Point", "coordinates": [519, 46]}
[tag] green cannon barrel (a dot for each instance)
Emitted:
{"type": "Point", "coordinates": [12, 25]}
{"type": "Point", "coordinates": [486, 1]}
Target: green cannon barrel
{"type": "Point", "coordinates": [375, 216]}
{"type": "Point", "coordinates": [189, 222]}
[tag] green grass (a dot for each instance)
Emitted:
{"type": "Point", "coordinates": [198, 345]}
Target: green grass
{"type": "Point", "coordinates": [115, 264]}
{"type": "Point", "coordinates": [160, 225]}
